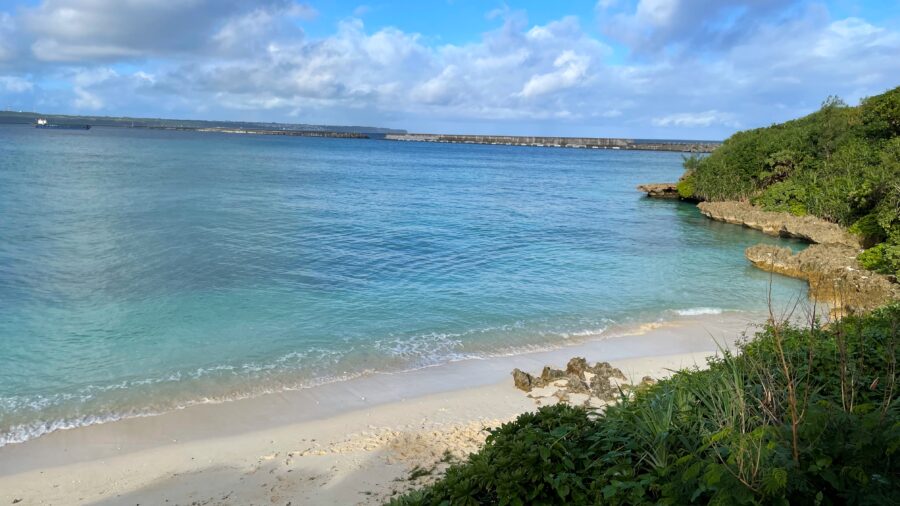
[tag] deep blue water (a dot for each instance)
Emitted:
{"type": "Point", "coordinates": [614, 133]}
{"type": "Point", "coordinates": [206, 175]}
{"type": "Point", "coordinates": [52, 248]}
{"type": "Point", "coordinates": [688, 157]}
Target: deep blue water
{"type": "Point", "coordinates": [145, 270]}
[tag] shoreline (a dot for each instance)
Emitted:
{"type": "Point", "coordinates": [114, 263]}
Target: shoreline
{"type": "Point", "coordinates": [205, 439]}
{"type": "Point", "coordinates": [29, 431]}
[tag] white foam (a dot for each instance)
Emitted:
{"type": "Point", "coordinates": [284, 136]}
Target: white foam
{"type": "Point", "coordinates": [414, 352]}
{"type": "Point", "coordinates": [697, 311]}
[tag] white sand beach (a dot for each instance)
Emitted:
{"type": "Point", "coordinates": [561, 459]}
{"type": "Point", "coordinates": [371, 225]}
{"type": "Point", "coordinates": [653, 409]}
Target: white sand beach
{"type": "Point", "coordinates": [354, 442]}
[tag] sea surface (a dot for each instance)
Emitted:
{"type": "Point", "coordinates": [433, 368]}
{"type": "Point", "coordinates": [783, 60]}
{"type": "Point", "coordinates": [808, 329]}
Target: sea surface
{"type": "Point", "coordinates": [142, 271]}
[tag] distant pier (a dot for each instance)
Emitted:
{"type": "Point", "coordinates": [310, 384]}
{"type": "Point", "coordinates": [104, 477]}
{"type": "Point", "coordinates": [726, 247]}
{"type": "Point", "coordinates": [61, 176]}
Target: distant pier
{"type": "Point", "coordinates": [561, 142]}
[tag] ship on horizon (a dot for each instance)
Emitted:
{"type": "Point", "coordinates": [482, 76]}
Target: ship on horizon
{"type": "Point", "coordinates": [43, 123]}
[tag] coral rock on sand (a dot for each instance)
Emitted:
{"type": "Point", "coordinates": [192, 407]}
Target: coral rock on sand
{"type": "Point", "coordinates": [581, 383]}
{"type": "Point", "coordinates": [523, 380]}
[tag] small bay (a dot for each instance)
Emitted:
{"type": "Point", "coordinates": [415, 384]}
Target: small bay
{"type": "Point", "coordinates": [142, 270]}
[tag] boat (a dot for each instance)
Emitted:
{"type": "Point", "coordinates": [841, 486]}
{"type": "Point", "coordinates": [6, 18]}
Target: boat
{"type": "Point", "coordinates": [42, 123]}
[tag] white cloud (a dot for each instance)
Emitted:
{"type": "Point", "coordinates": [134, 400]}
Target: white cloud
{"type": "Point", "coordinates": [571, 69]}
{"type": "Point", "coordinates": [15, 84]}
{"type": "Point", "coordinates": [86, 100]}
{"type": "Point", "coordinates": [699, 119]}
{"type": "Point", "coordinates": [657, 12]}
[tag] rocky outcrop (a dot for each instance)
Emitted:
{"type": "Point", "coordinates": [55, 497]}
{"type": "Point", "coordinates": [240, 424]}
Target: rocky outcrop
{"type": "Point", "coordinates": [829, 265]}
{"type": "Point", "coordinates": [808, 228]}
{"type": "Point", "coordinates": [660, 190]}
{"type": "Point", "coordinates": [833, 273]}
{"type": "Point", "coordinates": [589, 385]}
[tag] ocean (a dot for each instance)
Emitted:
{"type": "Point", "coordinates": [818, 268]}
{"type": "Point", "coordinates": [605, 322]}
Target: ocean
{"type": "Point", "coordinates": [143, 271]}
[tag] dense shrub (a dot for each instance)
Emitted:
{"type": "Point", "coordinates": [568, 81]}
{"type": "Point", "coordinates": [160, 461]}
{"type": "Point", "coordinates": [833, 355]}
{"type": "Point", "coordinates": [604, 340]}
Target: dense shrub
{"type": "Point", "coordinates": [685, 187]}
{"type": "Point", "coordinates": [800, 416]}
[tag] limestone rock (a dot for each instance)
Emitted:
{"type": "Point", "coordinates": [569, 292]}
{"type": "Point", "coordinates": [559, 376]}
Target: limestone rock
{"type": "Point", "coordinates": [599, 383]}
{"type": "Point", "coordinates": [550, 374]}
{"type": "Point", "coordinates": [808, 228]}
{"type": "Point", "coordinates": [833, 273]}
{"type": "Point", "coordinates": [577, 366]}
{"type": "Point", "coordinates": [607, 370]}
{"type": "Point", "coordinates": [523, 380]}
{"type": "Point", "coordinates": [660, 190]}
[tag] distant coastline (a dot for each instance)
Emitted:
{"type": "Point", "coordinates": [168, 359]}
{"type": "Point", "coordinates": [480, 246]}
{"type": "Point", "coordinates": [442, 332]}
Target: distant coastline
{"type": "Point", "coordinates": [28, 117]}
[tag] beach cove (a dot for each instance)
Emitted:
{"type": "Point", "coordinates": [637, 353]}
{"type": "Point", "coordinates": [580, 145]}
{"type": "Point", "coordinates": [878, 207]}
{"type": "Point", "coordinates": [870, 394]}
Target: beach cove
{"type": "Point", "coordinates": [353, 442]}
{"type": "Point", "coordinates": [337, 283]}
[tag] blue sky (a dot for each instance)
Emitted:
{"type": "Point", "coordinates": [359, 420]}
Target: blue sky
{"type": "Point", "coordinates": [632, 68]}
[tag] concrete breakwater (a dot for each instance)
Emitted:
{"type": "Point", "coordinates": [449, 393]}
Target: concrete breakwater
{"type": "Point", "coordinates": [560, 142]}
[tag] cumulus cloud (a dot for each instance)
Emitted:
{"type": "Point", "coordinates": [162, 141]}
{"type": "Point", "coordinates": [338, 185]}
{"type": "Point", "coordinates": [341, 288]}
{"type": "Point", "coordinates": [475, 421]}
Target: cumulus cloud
{"type": "Point", "coordinates": [701, 119]}
{"type": "Point", "coordinates": [77, 30]}
{"type": "Point", "coordinates": [570, 70]}
{"type": "Point", "coordinates": [388, 68]}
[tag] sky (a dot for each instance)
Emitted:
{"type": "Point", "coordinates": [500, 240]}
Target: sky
{"type": "Point", "coordinates": [686, 69]}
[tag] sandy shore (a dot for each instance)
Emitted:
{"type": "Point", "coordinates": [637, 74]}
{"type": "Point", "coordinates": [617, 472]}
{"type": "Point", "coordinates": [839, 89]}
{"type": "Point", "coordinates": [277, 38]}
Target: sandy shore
{"type": "Point", "coordinates": [355, 442]}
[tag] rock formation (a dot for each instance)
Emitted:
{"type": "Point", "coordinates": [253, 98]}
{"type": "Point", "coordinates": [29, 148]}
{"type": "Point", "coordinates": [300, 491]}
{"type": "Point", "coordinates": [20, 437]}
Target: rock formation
{"type": "Point", "coordinates": [781, 224]}
{"type": "Point", "coordinates": [580, 383]}
{"type": "Point", "coordinates": [660, 190]}
{"type": "Point", "coordinates": [833, 273]}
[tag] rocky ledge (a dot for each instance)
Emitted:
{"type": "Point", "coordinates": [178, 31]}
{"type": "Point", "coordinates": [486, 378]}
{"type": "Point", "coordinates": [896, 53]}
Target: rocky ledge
{"type": "Point", "coordinates": [660, 190]}
{"type": "Point", "coordinates": [808, 228]}
{"type": "Point", "coordinates": [833, 273]}
{"type": "Point", "coordinates": [580, 384]}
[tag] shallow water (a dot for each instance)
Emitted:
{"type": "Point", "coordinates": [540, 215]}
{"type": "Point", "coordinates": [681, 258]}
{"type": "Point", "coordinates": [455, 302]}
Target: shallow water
{"type": "Point", "coordinates": [146, 270]}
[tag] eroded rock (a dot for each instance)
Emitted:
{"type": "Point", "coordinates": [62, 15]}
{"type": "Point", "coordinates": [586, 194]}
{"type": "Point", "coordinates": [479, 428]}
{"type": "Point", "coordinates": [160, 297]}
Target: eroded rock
{"type": "Point", "coordinates": [834, 275]}
{"type": "Point", "coordinates": [660, 190]}
{"type": "Point", "coordinates": [523, 380]}
{"type": "Point", "coordinates": [809, 228]}
{"type": "Point", "coordinates": [588, 384]}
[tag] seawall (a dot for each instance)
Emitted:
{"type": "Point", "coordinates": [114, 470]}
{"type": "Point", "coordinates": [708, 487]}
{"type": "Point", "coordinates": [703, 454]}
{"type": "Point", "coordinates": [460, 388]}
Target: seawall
{"type": "Point", "coordinates": [559, 142]}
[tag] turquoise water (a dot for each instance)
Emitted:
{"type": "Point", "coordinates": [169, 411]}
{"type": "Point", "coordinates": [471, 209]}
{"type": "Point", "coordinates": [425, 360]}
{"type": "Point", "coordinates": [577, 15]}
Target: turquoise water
{"type": "Point", "coordinates": [141, 271]}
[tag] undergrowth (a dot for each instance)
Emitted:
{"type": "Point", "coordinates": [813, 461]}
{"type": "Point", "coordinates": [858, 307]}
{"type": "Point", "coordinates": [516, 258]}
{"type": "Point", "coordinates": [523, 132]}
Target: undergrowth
{"type": "Point", "coordinates": [797, 416]}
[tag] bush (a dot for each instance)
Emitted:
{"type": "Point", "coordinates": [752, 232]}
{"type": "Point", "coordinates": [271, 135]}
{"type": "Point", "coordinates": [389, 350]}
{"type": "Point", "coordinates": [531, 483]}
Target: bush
{"type": "Point", "coordinates": [786, 196]}
{"type": "Point", "coordinates": [801, 416]}
{"type": "Point", "coordinates": [869, 229]}
{"type": "Point", "coordinates": [540, 458]}
{"type": "Point", "coordinates": [685, 187]}
{"type": "Point", "coordinates": [883, 258]}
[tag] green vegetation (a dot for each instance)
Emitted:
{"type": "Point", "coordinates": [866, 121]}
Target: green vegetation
{"type": "Point", "coordinates": [800, 416]}
{"type": "Point", "coordinates": [840, 163]}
